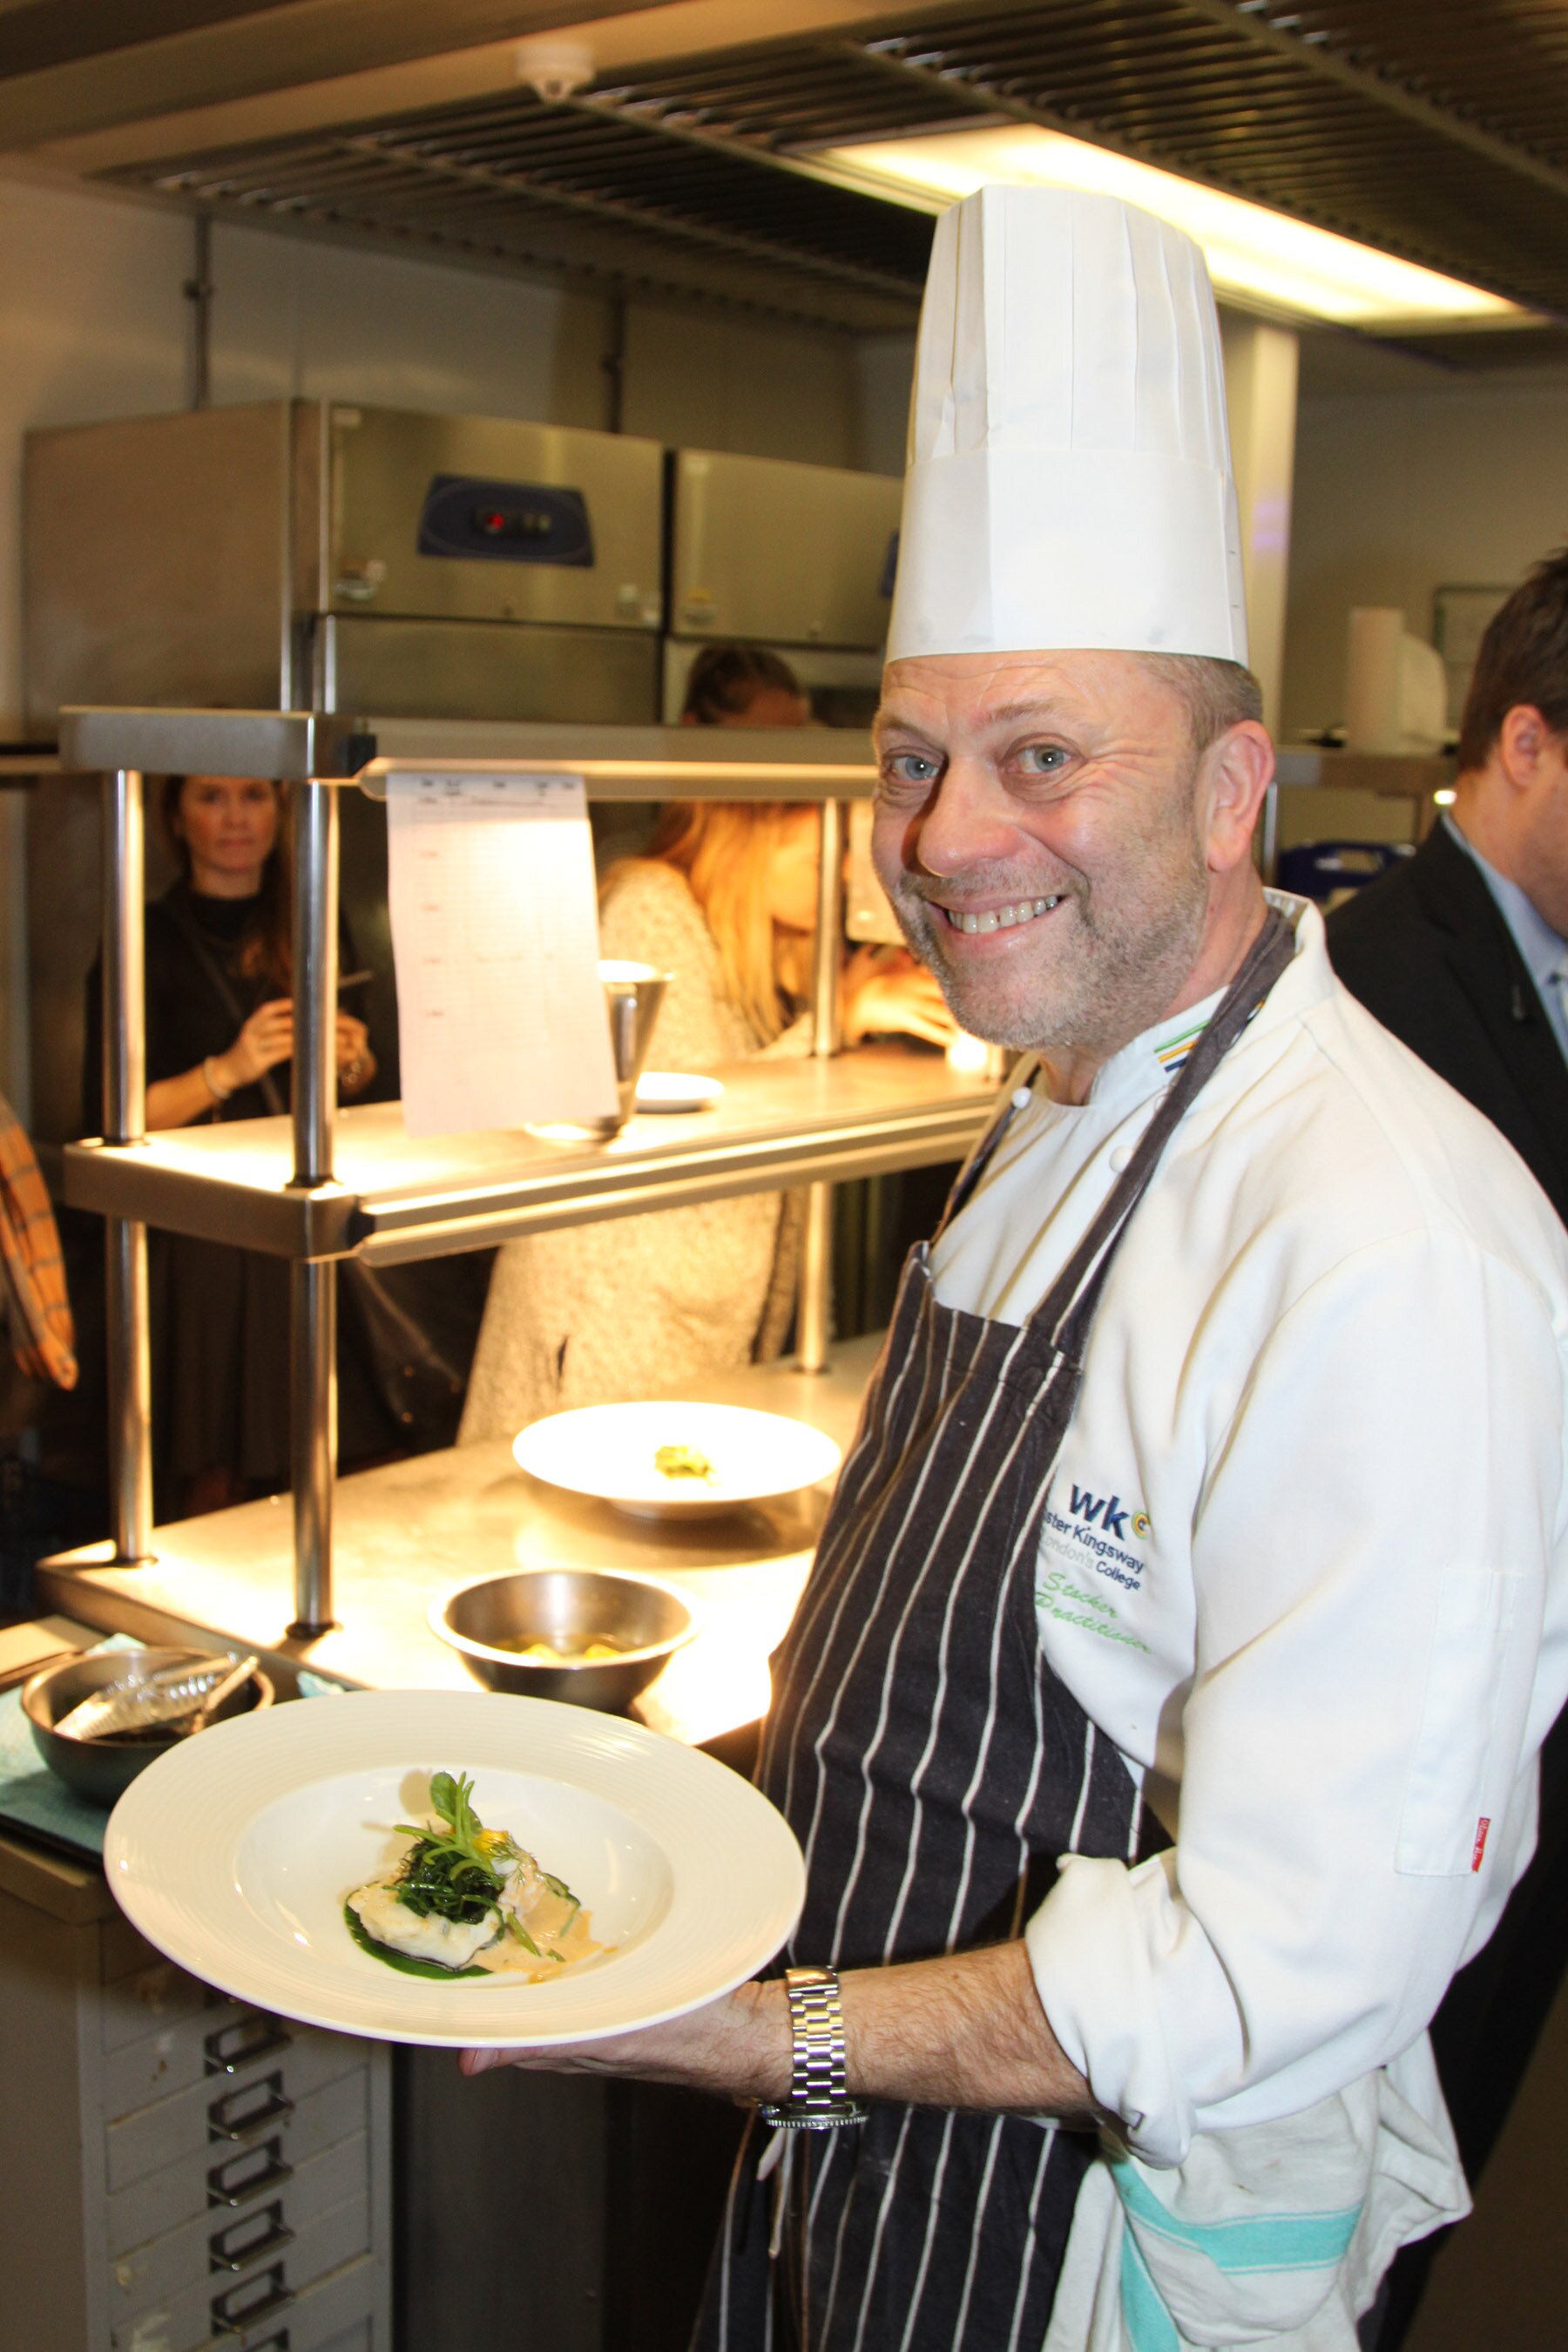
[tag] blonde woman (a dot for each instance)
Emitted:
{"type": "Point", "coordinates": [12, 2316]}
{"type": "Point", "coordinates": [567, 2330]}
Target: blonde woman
{"type": "Point", "coordinates": [725, 902]}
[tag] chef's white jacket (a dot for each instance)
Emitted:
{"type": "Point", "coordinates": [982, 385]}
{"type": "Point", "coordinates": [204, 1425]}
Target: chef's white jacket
{"type": "Point", "coordinates": [1304, 1559]}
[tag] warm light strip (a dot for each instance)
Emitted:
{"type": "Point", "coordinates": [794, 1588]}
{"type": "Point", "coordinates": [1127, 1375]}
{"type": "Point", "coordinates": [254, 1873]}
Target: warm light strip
{"type": "Point", "coordinates": [1252, 253]}
{"type": "Point", "coordinates": [693, 771]}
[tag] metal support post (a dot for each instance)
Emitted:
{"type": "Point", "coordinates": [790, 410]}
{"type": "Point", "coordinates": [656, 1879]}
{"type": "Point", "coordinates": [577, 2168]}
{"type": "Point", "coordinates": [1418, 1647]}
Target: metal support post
{"type": "Point", "coordinates": [814, 1307]}
{"type": "Point", "coordinates": [313, 1301]}
{"type": "Point", "coordinates": [125, 1122]}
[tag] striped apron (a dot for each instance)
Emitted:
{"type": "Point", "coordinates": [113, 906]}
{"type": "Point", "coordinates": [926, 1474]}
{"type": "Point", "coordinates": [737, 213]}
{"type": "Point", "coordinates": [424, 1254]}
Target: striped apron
{"type": "Point", "coordinates": [934, 1767]}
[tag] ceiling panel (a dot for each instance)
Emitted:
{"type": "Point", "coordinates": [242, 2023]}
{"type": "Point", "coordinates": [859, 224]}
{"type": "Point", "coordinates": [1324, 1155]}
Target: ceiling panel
{"type": "Point", "coordinates": [1439, 132]}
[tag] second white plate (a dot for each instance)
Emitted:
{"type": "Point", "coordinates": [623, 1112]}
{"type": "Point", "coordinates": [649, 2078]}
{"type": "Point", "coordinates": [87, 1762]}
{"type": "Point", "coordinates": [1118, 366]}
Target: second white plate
{"type": "Point", "coordinates": [677, 1090]}
{"type": "Point", "coordinates": [610, 1452]}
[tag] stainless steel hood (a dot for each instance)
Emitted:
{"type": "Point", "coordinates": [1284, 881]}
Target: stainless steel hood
{"type": "Point", "coordinates": [682, 167]}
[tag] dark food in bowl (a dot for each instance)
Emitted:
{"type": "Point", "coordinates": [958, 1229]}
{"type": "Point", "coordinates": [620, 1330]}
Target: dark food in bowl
{"type": "Point", "coordinates": [102, 1769]}
{"type": "Point", "coordinates": [539, 1632]}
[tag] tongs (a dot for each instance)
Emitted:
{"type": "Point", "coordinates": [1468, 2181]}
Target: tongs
{"type": "Point", "coordinates": [175, 1699]}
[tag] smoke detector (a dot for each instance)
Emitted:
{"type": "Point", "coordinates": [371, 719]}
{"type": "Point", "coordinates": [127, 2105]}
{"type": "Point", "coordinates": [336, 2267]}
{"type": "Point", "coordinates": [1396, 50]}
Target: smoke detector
{"type": "Point", "coordinates": [555, 69]}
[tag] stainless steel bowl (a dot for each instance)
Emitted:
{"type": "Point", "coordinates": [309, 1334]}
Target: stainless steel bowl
{"type": "Point", "coordinates": [102, 1769]}
{"type": "Point", "coordinates": [566, 1607]}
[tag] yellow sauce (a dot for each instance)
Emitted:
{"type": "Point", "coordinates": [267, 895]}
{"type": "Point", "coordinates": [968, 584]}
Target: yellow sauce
{"type": "Point", "coordinates": [591, 1652]}
{"type": "Point", "coordinates": [554, 1927]}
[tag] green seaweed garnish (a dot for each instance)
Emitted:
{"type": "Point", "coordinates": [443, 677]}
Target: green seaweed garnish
{"type": "Point", "coordinates": [448, 1871]}
{"type": "Point", "coordinates": [406, 1962]}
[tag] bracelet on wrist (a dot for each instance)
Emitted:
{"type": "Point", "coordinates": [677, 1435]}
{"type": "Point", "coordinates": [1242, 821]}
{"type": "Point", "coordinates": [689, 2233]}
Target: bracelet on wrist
{"type": "Point", "coordinates": [818, 2096]}
{"type": "Point", "coordinates": [219, 1088]}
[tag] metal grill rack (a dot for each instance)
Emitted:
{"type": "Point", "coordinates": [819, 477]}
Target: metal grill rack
{"type": "Point", "coordinates": [1436, 132]}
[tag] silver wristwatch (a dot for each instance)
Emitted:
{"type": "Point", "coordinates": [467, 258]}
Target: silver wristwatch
{"type": "Point", "coordinates": [817, 2100]}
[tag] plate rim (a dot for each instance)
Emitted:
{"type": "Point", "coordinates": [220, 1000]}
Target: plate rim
{"type": "Point", "coordinates": [147, 1902]}
{"type": "Point", "coordinates": [709, 1091]}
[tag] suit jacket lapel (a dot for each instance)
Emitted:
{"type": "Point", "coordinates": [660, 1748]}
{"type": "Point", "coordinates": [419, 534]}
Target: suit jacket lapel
{"type": "Point", "coordinates": [1486, 965]}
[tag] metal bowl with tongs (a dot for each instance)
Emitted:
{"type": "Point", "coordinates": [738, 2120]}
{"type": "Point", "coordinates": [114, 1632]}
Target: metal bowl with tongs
{"type": "Point", "coordinates": [595, 1636]}
{"type": "Point", "coordinates": [98, 1720]}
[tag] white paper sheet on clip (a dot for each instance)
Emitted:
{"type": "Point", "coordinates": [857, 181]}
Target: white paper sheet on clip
{"type": "Point", "coordinates": [494, 936]}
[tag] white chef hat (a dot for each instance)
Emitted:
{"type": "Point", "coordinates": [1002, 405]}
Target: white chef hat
{"type": "Point", "coordinates": [1068, 482]}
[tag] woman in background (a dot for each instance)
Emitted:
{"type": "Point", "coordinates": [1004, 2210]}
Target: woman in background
{"type": "Point", "coordinates": [219, 1022]}
{"type": "Point", "coordinates": [725, 902]}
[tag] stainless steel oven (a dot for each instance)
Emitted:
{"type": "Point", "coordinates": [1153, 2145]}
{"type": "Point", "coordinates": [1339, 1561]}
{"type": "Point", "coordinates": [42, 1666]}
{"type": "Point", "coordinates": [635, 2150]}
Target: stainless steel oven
{"type": "Point", "coordinates": [284, 554]}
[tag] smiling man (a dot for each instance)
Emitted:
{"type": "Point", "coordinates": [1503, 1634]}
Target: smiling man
{"type": "Point", "coordinates": [1159, 1723]}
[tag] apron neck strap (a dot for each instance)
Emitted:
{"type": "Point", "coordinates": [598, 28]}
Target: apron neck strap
{"type": "Point", "coordinates": [1067, 1309]}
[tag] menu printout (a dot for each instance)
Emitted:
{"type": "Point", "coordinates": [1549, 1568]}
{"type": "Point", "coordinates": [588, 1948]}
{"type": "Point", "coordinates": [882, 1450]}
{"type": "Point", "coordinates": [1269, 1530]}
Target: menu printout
{"type": "Point", "coordinates": [495, 937]}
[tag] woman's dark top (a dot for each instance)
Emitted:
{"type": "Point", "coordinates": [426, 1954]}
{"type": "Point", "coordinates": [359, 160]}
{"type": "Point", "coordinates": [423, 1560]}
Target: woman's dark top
{"type": "Point", "coordinates": [187, 1020]}
{"type": "Point", "coordinates": [219, 1315]}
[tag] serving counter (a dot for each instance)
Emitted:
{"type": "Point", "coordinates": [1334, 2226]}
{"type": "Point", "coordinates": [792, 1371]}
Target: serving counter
{"type": "Point", "coordinates": [408, 1533]}
{"type": "Point", "coordinates": [314, 1190]}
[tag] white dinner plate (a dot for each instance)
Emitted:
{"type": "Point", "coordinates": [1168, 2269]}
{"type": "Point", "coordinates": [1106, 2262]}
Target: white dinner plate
{"type": "Point", "coordinates": [233, 1853]}
{"type": "Point", "coordinates": [608, 1450]}
{"type": "Point", "coordinates": [677, 1090]}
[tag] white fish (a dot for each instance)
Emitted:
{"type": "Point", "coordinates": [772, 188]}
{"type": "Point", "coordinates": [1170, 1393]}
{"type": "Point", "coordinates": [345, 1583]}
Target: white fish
{"type": "Point", "coordinates": [449, 1943]}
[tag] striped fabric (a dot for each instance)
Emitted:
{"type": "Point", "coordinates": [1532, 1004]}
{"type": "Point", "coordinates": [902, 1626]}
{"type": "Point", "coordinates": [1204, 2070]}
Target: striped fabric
{"type": "Point", "coordinates": [42, 1334]}
{"type": "Point", "coordinates": [934, 1770]}
{"type": "Point", "coordinates": [1173, 1054]}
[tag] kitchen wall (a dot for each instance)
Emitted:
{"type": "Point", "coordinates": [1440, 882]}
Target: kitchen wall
{"type": "Point", "coordinates": [1408, 478]}
{"type": "Point", "coordinates": [93, 323]}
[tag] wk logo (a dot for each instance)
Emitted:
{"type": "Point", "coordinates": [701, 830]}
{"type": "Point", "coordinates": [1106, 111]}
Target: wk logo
{"type": "Point", "coordinates": [1108, 1512]}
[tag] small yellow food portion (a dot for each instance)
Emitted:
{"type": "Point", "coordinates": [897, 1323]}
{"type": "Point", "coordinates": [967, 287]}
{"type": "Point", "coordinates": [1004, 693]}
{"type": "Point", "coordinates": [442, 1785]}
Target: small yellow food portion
{"type": "Point", "coordinates": [682, 1462]}
{"type": "Point", "coordinates": [552, 1653]}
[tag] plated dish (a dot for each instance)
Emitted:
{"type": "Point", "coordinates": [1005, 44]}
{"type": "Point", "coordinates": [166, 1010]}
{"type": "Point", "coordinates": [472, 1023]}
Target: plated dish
{"type": "Point", "coordinates": [680, 1461]}
{"type": "Point", "coordinates": [237, 1856]}
{"type": "Point", "coordinates": [463, 1900]}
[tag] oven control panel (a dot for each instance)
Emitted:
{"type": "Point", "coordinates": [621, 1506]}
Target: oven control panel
{"type": "Point", "coordinates": [505, 523]}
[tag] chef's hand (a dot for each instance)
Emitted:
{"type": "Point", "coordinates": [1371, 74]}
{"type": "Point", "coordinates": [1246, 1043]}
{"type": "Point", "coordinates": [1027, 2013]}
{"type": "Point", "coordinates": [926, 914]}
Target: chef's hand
{"type": "Point", "coordinates": [267, 1039]}
{"type": "Point", "coordinates": [737, 2047]}
{"type": "Point", "coordinates": [886, 991]}
{"type": "Point", "coordinates": [964, 2031]}
{"type": "Point", "coordinates": [356, 1063]}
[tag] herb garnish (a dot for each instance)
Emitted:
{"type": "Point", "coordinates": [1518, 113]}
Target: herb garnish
{"type": "Point", "coordinates": [451, 1872]}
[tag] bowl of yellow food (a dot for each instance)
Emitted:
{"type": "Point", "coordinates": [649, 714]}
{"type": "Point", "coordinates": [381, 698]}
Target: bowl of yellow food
{"type": "Point", "coordinates": [595, 1636]}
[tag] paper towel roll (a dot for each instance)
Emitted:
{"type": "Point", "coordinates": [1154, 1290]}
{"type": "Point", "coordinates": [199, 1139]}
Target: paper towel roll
{"type": "Point", "coordinates": [1373, 666]}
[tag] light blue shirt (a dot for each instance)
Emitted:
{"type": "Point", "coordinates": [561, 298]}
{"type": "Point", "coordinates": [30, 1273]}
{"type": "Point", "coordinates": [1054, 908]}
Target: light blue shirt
{"type": "Point", "coordinates": [1545, 955]}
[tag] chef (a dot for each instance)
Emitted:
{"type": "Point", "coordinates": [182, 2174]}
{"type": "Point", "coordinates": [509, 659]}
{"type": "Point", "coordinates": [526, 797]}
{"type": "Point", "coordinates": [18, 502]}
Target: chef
{"type": "Point", "coordinates": [1160, 1720]}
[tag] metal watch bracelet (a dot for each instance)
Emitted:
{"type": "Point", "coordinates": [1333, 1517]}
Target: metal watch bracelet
{"type": "Point", "coordinates": [818, 2099]}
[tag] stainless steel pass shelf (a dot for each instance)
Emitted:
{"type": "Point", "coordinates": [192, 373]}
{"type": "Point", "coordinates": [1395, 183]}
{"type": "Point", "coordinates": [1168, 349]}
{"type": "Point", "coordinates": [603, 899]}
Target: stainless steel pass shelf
{"type": "Point", "coordinates": [619, 763]}
{"type": "Point", "coordinates": [880, 1108]}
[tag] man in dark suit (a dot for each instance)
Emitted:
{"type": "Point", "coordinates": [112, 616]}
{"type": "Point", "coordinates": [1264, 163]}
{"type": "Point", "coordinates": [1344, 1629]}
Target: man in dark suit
{"type": "Point", "coordinates": [1460, 952]}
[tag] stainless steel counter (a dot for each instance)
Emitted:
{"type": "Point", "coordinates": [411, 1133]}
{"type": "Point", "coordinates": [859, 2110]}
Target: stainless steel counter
{"type": "Point", "coordinates": [410, 1531]}
{"type": "Point", "coordinates": [394, 1197]}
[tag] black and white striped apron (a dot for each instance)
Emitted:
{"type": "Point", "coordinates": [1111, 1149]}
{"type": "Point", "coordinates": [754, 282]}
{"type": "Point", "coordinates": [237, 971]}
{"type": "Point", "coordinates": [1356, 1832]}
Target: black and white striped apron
{"type": "Point", "coordinates": [934, 1767]}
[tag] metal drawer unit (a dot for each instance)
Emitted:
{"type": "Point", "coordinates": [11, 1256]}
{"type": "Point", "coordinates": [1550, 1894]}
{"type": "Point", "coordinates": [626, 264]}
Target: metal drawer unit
{"type": "Point", "coordinates": [176, 2170]}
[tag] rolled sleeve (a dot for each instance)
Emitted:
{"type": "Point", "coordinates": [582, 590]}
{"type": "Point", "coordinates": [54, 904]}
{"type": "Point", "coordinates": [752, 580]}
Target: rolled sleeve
{"type": "Point", "coordinates": [1372, 1548]}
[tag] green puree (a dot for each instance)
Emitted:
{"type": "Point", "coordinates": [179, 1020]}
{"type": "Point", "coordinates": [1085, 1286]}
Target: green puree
{"type": "Point", "coordinates": [404, 1961]}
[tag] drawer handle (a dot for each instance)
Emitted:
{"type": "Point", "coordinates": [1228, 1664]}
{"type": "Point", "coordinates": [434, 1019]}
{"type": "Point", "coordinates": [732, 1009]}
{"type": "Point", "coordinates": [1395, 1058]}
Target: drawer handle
{"type": "Point", "coordinates": [226, 2251]}
{"type": "Point", "coordinates": [229, 2184]}
{"type": "Point", "coordinates": [279, 2343]}
{"type": "Point", "coordinates": [231, 2317]}
{"type": "Point", "coordinates": [242, 2042]}
{"type": "Point", "coordinates": [228, 2118]}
